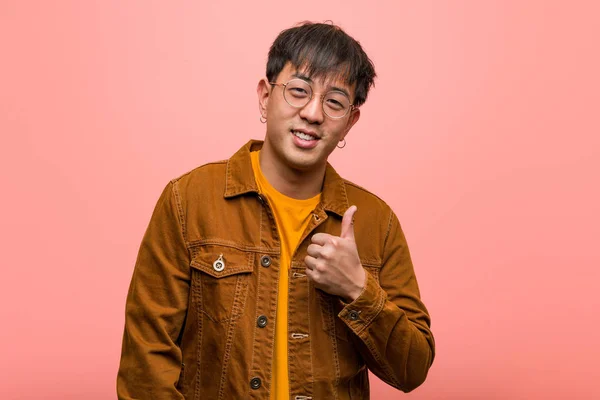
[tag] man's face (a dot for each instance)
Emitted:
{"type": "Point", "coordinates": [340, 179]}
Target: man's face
{"type": "Point", "coordinates": [288, 126]}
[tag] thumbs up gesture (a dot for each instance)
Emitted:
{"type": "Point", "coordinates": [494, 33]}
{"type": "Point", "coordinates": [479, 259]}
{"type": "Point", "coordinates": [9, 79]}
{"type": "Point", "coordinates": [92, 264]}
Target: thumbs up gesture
{"type": "Point", "coordinates": [332, 263]}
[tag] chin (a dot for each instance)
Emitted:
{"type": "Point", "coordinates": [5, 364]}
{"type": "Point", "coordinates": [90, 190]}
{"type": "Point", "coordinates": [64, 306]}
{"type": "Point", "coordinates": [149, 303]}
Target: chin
{"type": "Point", "coordinates": [304, 164]}
{"type": "Point", "coordinates": [295, 158]}
{"type": "Point", "coordinates": [298, 163]}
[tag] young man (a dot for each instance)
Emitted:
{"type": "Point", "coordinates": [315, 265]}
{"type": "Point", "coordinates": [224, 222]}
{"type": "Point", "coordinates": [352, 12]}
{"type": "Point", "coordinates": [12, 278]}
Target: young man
{"type": "Point", "coordinates": [257, 277]}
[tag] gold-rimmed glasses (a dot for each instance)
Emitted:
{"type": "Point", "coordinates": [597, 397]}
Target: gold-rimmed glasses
{"type": "Point", "coordinates": [298, 93]}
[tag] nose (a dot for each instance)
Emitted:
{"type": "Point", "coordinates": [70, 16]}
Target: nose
{"type": "Point", "coordinates": [313, 110]}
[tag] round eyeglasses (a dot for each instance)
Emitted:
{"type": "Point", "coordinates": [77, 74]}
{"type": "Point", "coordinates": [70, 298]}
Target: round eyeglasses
{"type": "Point", "coordinates": [298, 93]}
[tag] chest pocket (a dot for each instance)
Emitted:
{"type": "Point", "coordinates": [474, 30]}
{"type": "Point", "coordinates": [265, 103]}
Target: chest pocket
{"type": "Point", "coordinates": [220, 278]}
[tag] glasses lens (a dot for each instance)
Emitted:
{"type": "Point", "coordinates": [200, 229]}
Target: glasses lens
{"type": "Point", "coordinates": [297, 93]}
{"type": "Point", "coordinates": [336, 104]}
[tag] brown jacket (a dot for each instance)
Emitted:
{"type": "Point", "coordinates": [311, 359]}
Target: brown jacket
{"type": "Point", "coordinates": [200, 310]}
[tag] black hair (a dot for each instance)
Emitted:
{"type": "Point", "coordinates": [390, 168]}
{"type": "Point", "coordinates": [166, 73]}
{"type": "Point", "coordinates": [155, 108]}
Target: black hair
{"type": "Point", "coordinates": [323, 50]}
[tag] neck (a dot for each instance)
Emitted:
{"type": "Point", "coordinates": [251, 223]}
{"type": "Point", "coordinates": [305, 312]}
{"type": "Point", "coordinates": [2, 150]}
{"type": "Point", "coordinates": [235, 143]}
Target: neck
{"type": "Point", "coordinates": [297, 184]}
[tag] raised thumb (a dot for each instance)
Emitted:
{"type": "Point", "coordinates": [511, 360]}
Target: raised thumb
{"type": "Point", "coordinates": [347, 223]}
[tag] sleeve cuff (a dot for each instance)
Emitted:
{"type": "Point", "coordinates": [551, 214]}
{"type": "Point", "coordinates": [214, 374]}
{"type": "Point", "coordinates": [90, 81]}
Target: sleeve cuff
{"type": "Point", "coordinates": [358, 314]}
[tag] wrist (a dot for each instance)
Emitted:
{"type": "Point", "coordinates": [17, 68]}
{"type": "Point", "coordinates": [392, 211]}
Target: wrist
{"type": "Point", "coordinates": [359, 287]}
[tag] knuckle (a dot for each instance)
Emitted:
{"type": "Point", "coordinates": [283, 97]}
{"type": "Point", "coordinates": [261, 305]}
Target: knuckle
{"type": "Point", "coordinates": [328, 252]}
{"type": "Point", "coordinates": [321, 266]}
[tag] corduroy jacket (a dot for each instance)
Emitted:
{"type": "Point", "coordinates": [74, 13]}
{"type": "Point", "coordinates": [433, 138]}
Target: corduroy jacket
{"type": "Point", "coordinates": [200, 311]}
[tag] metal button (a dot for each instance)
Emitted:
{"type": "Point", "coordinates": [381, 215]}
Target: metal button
{"type": "Point", "coordinates": [265, 261]}
{"type": "Point", "coordinates": [261, 321]}
{"type": "Point", "coordinates": [219, 264]}
{"type": "Point", "coordinates": [316, 217]}
{"type": "Point", "coordinates": [260, 198]}
{"type": "Point", "coordinates": [255, 383]}
{"type": "Point", "coordinates": [353, 315]}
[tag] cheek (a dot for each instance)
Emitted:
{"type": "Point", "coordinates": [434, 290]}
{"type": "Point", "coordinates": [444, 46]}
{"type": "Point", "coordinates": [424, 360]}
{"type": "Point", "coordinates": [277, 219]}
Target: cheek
{"type": "Point", "coordinates": [285, 111]}
{"type": "Point", "coordinates": [281, 117]}
{"type": "Point", "coordinates": [278, 106]}
{"type": "Point", "coordinates": [336, 132]}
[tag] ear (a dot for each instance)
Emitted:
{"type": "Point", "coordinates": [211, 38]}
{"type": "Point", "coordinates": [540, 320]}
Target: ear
{"type": "Point", "coordinates": [263, 92]}
{"type": "Point", "coordinates": [352, 119]}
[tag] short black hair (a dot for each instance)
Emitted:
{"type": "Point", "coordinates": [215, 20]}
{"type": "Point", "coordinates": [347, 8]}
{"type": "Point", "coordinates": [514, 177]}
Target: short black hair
{"type": "Point", "coordinates": [323, 50]}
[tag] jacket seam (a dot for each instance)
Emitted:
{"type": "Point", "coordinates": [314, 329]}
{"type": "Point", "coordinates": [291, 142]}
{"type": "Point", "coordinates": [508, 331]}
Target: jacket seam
{"type": "Point", "coordinates": [312, 373]}
{"type": "Point", "coordinates": [233, 245]}
{"type": "Point", "coordinates": [273, 315]}
{"type": "Point", "coordinates": [336, 355]}
{"type": "Point", "coordinates": [274, 298]}
{"type": "Point", "coordinates": [239, 288]}
{"type": "Point", "coordinates": [181, 219]}
{"type": "Point", "coordinates": [287, 328]}
{"type": "Point", "coordinates": [260, 224]}
{"type": "Point", "coordinates": [345, 195]}
{"type": "Point", "coordinates": [256, 311]}
{"type": "Point", "coordinates": [200, 325]}
{"type": "Point", "coordinates": [387, 235]}
{"type": "Point", "coordinates": [227, 177]}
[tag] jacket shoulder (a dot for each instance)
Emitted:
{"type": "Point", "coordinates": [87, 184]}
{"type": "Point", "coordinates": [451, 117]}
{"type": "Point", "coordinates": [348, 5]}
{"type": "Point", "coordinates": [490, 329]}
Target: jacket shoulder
{"type": "Point", "coordinates": [201, 172]}
{"type": "Point", "coordinates": [373, 220]}
{"type": "Point", "coordinates": [201, 183]}
{"type": "Point", "coordinates": [211, 173]}
{"type": "Point", "coordinates": [358, 194]}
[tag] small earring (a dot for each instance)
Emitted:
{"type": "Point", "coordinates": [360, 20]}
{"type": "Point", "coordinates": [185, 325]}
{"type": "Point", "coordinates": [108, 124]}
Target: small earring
{"type": "Point", "coordinates": [341, 147]}
{"type": "Point", "coordinates": [262, 119]}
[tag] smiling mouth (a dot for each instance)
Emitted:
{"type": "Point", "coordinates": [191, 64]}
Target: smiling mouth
{"type": "Point", "coordinates": [304, 136]}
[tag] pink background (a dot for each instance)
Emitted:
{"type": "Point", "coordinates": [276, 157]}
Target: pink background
{"type": "Point", "coordinates": [482, 133]}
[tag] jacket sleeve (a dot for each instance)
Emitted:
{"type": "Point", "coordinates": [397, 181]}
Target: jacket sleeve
{"type": "Point", "coordinates": [391, 323]}
{"type": "Point", "coordinates": [156, 306]}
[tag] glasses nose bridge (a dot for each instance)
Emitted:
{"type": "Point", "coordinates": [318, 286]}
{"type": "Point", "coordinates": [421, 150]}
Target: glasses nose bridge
{"type": "Point", "coordinates": [321, 100]}
{"type": "Point", "coordinates": [312, 112]}
{"type": "Point", "coordinates": [320, 96]}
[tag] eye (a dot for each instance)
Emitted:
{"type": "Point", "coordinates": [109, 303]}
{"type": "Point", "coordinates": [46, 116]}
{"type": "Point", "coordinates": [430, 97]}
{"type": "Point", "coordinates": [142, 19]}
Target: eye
{"type": "Point", "coordinates": [336, 101]}
{"type": "Point", "coordinates": [333, 103]}
{"type": "Point", "coordinates": [297, 91]}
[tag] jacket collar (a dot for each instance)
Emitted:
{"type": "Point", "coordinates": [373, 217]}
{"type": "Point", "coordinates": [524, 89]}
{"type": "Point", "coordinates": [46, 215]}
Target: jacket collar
{"type": "Point", "coordinates": [240, 180]}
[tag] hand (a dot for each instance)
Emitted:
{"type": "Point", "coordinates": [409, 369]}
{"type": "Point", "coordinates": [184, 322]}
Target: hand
{"type": "Point", "coordinates": [332, 263]}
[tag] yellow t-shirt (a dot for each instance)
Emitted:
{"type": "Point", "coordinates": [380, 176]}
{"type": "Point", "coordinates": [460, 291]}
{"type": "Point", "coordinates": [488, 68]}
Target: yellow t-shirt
{"type": "Point", "coordinates": [292, 216]}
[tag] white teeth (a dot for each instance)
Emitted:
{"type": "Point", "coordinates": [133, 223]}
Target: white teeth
{"type": "Point", "coordinates": [303, 135]}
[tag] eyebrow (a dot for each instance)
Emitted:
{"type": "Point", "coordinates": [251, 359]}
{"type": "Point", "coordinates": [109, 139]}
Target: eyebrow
{"type": "Point", "coordinates": [300, 75]}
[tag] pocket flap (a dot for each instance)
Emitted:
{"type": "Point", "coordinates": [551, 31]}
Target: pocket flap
{"type": "Point", "coordinates": [235, 261]}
